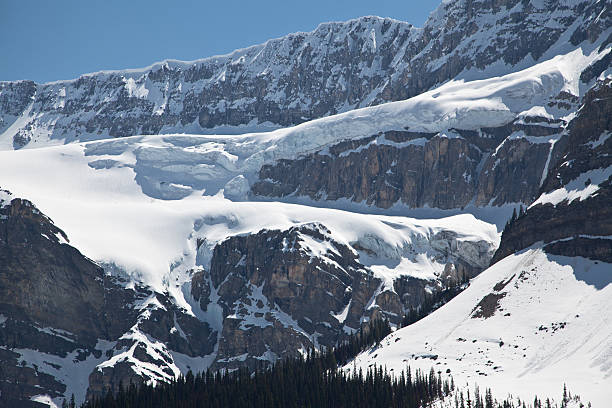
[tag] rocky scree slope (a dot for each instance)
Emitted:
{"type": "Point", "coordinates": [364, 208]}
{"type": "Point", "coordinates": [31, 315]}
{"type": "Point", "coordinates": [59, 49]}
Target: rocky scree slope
{"type": "Point", "coordinates": [302, 76]}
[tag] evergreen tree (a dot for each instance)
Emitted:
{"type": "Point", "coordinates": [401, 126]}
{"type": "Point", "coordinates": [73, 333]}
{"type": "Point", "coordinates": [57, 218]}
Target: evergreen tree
{"type": "Point", "coordinates": [488, 399]}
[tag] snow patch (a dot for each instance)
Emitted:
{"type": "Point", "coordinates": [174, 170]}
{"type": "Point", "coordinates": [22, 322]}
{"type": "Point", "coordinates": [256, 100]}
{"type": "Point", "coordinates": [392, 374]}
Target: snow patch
{"type": "Point", "coordinates": [581, 188]}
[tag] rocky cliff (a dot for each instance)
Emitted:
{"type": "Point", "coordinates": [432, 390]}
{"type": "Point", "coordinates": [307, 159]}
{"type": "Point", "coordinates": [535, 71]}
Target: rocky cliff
{"type": "Point", "coordinates": [487, 166]}
{"type": "Point", "coordinates": [299, 77]}
{"type": "Point", "coordinates": [573, 213]}
{"type": "Point", "coordinates": [283, 292]}
{"type": "Point", "coordinates": [66, 326]}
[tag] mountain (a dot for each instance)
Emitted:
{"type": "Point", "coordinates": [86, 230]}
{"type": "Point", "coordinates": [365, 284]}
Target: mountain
{"type": "Point", "coordinates": [302, 76]}
{"type": "Point", "coordinates": [195, 251]}
{"type": "Point", "coordinates": [490, 336]}
{"type": "Point", "coordinates": [62, 316]}
{"type": "Point", "coordinates": [263, 295]}
{"type": "Point", "coordinates": [536, 318]}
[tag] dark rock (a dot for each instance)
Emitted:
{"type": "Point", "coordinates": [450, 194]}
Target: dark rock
{"type": "Point", "coordinates": [576, 153]}
{"type": "Point", "coordinates": [56, 302]}
{"type": "Point", "coordinates": [419, 169]}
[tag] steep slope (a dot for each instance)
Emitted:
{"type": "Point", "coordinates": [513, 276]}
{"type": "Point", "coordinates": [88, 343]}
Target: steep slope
{"type": "Point", "coordinates": [537, 318]}
{"type": "Point", "coordinates": [62, 318]}
{"type": "Point", "coordinates": [525, 326]}
{"type": "Point", "coordinates": [303, 76]}
{"type": "Point", "coordinates": [573, 214]}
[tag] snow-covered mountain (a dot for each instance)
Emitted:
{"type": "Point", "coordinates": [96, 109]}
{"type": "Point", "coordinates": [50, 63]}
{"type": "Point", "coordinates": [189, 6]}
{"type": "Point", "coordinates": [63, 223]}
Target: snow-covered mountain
{"type": "Point", "coordinates": [234, 250]}
{"type": "Point", "coordinates": [539, 316]}
{"type": "Point", "coordinates": [303, 76]}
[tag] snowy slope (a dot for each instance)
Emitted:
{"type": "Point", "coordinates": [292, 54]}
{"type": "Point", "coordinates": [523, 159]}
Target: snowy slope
{"type": "Point", "coordinates": [302, 76]}
{"type": "Point", "coordinates": [456, 104]}
{"type": "Point", "coordinates": [106, 186]}
{"type": "Point", "coordinates": [146, 192]}
{"type": "Point", "coordinates": [545, 323]}
{"type": "Point", "coordinates": [107, 215]}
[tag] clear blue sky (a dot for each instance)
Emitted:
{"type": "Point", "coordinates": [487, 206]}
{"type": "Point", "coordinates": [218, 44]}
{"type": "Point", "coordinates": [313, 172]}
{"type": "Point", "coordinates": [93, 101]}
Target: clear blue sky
{"type": "Point", "coordinates": [47, 40]}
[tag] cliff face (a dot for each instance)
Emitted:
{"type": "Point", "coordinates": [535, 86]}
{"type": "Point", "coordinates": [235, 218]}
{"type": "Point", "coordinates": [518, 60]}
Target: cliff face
{"type": "Point", "coordinates": [60, 313]}
{"type": "Point", "coordinates": [491, 166]}
{"type": "Point", "coordinates": [279, 292]}
{"type": "Point", "coordinates": [299, 77]}
{"type": "Point", "coordinates": [573, 213]}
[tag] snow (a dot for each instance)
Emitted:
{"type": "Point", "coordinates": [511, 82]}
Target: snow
{"type": "Point", "coordinates": [551, 322]}
{"type": "Point", "coordinates": [237, 188]}
{"type": "Point", "coordinates": [144, 210]}
{"type": "Point", "coordinates": [383, 141]}
{"type": "Point", "coordinates": [45, 399]}
{"type": "Point", "coordinates": [5, 198]}
{"type": "Point", "coordinates": [158, 352]}
{"type": "Point", "coordinates": [68, 370]}
{"type": "Point", "coordinates": [600, 141]}
{"type": "Point", "coordinates": [552, 142]}
{"type": "Point", "coordinates": [456, 104]}
{"type": "Point", "coordinates": [581, 188]}
{"type": "Point", "coordinates": [341, 317]}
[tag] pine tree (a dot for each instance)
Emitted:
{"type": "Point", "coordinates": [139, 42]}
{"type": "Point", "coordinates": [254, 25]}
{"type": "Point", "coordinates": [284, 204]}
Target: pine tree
{"type": "Point", "coordinates": [488, 399]}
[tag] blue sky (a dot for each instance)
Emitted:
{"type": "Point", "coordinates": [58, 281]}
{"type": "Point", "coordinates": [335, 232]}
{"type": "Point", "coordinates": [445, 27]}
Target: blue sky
{"type": "Point", "coordinates": [48, 40]}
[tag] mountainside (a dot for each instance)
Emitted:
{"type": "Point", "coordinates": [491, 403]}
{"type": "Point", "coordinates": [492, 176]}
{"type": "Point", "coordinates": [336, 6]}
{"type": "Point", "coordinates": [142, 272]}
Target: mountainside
{"type": "Point", "coordinates": [194, 251]}
{"type": "Point", "coordinates": [302, 76]}
{"type": "Point", "coordinates": [63, 320]}
{"type": "Point", "coordinates": [573, 214]}
{"type": "Point", "coordinates": [526, 326]}
{"type": "Point", "coordinates": [538, 317]}
{"type": "Point", "coordinates": [267, 295]}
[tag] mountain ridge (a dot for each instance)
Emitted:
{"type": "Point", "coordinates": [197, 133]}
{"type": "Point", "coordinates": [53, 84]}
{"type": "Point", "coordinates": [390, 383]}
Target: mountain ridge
{"type": "Point", "coordinates": [298, 77]}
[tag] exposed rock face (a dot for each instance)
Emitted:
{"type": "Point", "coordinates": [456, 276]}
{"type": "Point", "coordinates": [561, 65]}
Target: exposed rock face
{"type": "Point", "coordinates": [283, 291]}
{"type": "Point", "coordinates": [37, 270]}
{"type": "Point", "coordinates": [573, 215]}
{"type": "Point", "coordinates": [302, 76]}
{"type": "Point", "coordinates": [277, 296]}
{"type": "Point", "coordinates": [53, 300]}
{"type": "Point", "coordinates": [61, 314]}
{"type": "Point", "coordinates": [444, 170]}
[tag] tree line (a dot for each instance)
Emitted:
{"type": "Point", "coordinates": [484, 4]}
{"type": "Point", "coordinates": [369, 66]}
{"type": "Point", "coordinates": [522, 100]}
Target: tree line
{"type": "Point", "coordinates": [317, 380]}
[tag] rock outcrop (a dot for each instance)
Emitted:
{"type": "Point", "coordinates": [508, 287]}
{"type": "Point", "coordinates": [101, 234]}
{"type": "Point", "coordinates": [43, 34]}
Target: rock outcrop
{"type": "Point", "coordinates": [573, 213]}
{"type": "Point", "coordinates": [60, 313]}
{"type": "Point", "coordinates": [491, 166]}
{"type": "Point", "coordinates": [282, 292]}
